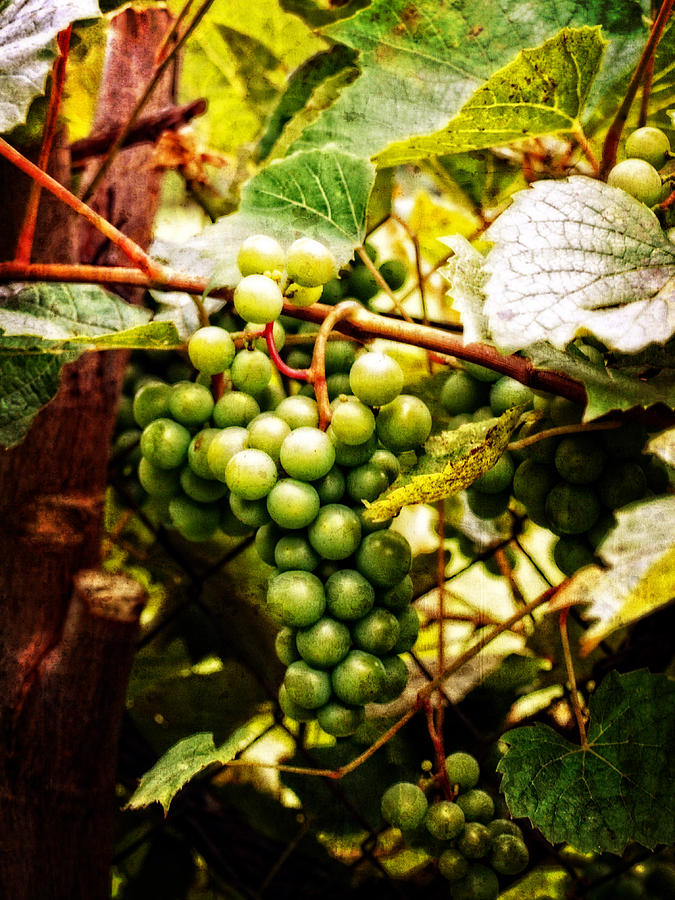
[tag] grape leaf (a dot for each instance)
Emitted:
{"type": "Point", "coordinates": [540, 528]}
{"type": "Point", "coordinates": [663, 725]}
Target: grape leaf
{"type": "Point", "coordinates": [578, 256]}
{"type": "Point", "coordinates": [422, 60]}
{"type": "Point", "coordinates": [639, 578]}
{"type": "Point", "coordinates": [543, 91]}
{"type": "Point", "coordinates": [467, 276]}
{"type": "Point", "coordinates": [454, 460]}
{"type": "Point", "coordinates": [28, 30]}
{"type": "Point", "coordinates": [663, 446]}
{"type": "Point", "coordinates": [187, 758]}
{"type": "Point", "coordinates": [319, 194]}
{"type": "Point", "coordinates": [619, 788]}
{"type": "Point", "coordinates": [318, 15]}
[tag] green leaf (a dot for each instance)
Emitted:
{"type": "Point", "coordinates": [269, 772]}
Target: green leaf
{"type": "Point", "coordinates": [620, 788]}
{"type": "Point", "coordinates": [318, 15]}
{"type": "Point", "coordinates": [577, 256]}
{"type": "Point", "coordinates": [153, 336]}
{"type": "Point", "coordinates": [422, 60]}
{"type": "Point", "coordinates": [607, 389]}
{"type": "Point", "coordinates": [186, 759]}
{"type": "Point", "coordinates": [454, 460]}
{"type": "Point", "coordinates": [28, 30]}
{"type": "Point", "coordinates": [543, 91]}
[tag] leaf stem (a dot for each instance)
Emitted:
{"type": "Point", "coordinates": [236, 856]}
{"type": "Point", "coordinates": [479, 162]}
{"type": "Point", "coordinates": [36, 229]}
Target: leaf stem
{"type": "Point", "coordinates": [569, 665]}
{"type": "Point", "coordinates": [299, 374]}
{"type": "Point", "coordinates": [562, 429]}
{"type": "Point", "coordinates": [615, 129]}
{"type": "Point", "coordinates": [370, 265]}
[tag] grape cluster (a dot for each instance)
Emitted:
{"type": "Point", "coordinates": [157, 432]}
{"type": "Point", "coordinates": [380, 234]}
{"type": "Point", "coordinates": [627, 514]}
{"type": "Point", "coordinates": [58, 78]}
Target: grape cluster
{"type": "Point", "coordinates": [357, 282]}
{"type": "Point", "coordinates": [647, 151]}
{"type": "Point", "coordinates": [470, 845]}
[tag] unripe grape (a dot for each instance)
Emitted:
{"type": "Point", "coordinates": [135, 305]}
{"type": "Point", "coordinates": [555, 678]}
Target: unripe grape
{"type": "Point", "coordinates": [163, 483]}
{"type": "Point", "coordinates": [445, 820]}
{"type": "Point", "coordinates": [299, 295]}
{"type": "Point", "coordinates": [570, 555]}
{"type": "Point", "coordinates": [211, 350]}
{"type": "Point", "coordinates": [580, 459]}
{"type": "Point", "coordinates": [650, 144]}
{"type": "Point", "coordinates": [324, 643]}
{"type": "Point", "coordinates": [404, 806]}
{"type": "Point", "coordinates": [335, 533]}
{"type": "Point", "coordinates": [203, 490]}
{"type": "Point", "coordinates": [394, 272]}
{"type": "Point", "coordinates": [165, 443]}
{"type": "Point", "coordinates": [307, 454]}
{"type": "Point", "coordinates": [377, 632]}
{"type": "Point", "coordinates": [462, 770]}
{"type": "Point", "coordinates": [362, 284]}
{"type": "Point", "coordinates": [399, 596]}
{"type": "Point", "coordinates": [352, 421]}
{"type": "Point", "coordinates": [503, 826]}
{"type": "Point", "coordinates": [251, 474]}
{"type": "Point", "coordinates": [478, 806]}
{"type": "Point", "coordinates": [508, 854]}
{"type": "Point", "coordinates": [293, 551]}
{"type": "Point", "coordinates": [358, 678]}
{"type": "Point", "coordinates": [297, 598]}
{"type": "Point", "coordinates": [349, 595]}
{"type": "Point", "coordinates": [638, 178]}
{"type": "Point", "coordinates": [498, 478]}
{"type": "Point", "coordinates": [198, 452]}
{"type": "Point", "coordinates": [571, 508]}
{"type": "Point", "coordinates": [409, 628]}
{"type": "Point", "coordinates": [384, 558]}
{"type": "Point", "coordinates": [480, 373]}
{"type": "Point", "coordinates": [404, 424]}
{"type": "Point", "coordinates": [308, 687]}
{"type": "Point", "coordinates": [487, 506]}
{"type": "Point", "coordinates": [260, 343]}
{"type": "Point", "coordinates": [190, 404]}
{"type": "Point", "coordinates": [506, 393]}
{"type": "Point", "coordinates": [340, 720]}
{"type": "Point", "coordinates": [309, 263]}
{"type": "Point", "coordinates": [622, 483]}
{"type": "Point", "coordinates": [195, 521]}
{"type": "Point", "coordinates": [376, 379]}
{"type": "Point", "coordinates": [396, 678]}
{"type": "Point", "coordinates": [352, 454]}
{"type": "Point", "coordinates": [331, 487]}
{"type": "Point", "coordinates": [452, 865]}
{"type": "Point", "coordinates": [294, 710]}
{"type": "Point", "coordinates": [292, 503]}
{"type": "Point", "coordinates": [260, 253]}
{"type": "Point", "coordinates": [251, 371]}
{"type": "Point", "coordinates": [268, 432]}
{"type": "Point", "coordinates": [266, 538]}
{"type": "Point", "coordinates": [222, 447]}
{"type": "Point", "coordinates": [366, 482]}
{"type": "Point", "coordinates": [461, 393]}
{"type": "Point", "coordinates": [479, 883]}
{"type": "Point", "coordinates": [252, 513]}
{"type": "Point", "coordinates": [235, 408]}
{"type": "Point", "coordinates": [299, 411]}
{"type": "Point", "coordinates": [151, 402]}
{"type": "Point", "coordinates": [474, 842]}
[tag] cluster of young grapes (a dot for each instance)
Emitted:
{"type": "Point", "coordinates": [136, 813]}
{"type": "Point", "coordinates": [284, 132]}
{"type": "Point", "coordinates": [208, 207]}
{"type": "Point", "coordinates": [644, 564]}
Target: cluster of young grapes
{"type": "Point", "coordinates": [357, 282]}
{"type": "Point", "coordinates": [647, 151]}
{"type": "Point", "coordinates": [570, 484]}
{"type": "Point", "coordinates": [471, 847]}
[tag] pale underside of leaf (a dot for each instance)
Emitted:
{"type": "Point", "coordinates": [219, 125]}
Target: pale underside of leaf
{"type": "Point", "coordinates": [467, 276]}
{"type": "Point", "coordinates": [542, 91]}
{"type": "Point", "coordinates": [577, 256]}
{"type": "Point", "coordinates": [663, 446]}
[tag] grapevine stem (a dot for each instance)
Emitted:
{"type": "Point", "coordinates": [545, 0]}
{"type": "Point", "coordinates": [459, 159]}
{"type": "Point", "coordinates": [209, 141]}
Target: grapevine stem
{"type": "Point", "coordinates": [614, 133]}
{"type": "Point", "coordinates": [370, 265]}
{"type": "Point", "coordinates": [299, 374]}
{"type": "Point", "coordinates": [586, 149]}
{"type": "Point", "coordinates": [560, 430]}
{"type": "Point", "coordinates": [24, 246]}
{"type": "Point", "coordinates": [569, 665]}
{"type": "Point", "coordinates": [317, 371]}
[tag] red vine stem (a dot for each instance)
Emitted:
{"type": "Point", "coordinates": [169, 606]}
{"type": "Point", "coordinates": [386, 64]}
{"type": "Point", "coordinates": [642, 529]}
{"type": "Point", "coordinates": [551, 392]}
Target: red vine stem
{"type": "Point", "coordinates": [614, 134]}
{"type": "Point", "coordinates": [24, 245]}
{"type": "Point", "coordinates": [127, 246]}
{"type": "Point", "coordinates": [300, 374]}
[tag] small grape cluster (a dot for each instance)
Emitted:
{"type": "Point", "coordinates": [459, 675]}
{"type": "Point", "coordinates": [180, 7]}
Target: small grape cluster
{"type": "Point", "coordinates": [357, 282]}
{"type": "Point", "coordinates": [647, 151]}
{"type": "Point", "coordinates": [470, 845]}
{"type": "Point", "coordinates": [570, 484]}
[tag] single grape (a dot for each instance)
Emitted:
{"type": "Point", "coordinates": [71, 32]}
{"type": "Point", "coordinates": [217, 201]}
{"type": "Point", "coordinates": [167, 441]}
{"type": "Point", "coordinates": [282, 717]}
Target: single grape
{"type": "Point", "coordinates": [506, 393]}
{"type": "Point", "coordinates": [198, 452]}
{"type": "Point", "coordinates": [252, 513]}
{"type": "Point", "coordinates": [292, 503]}
{"type": "Point", "coordinates": [251, 474]}
{"type": "Point", "coordinates": [638, 178]}
{"type": "Point", "coordinates": [452, 865]}
{"type": "Point", "coordinates": [404, 424]}
{"type": "Point", "coordinates": [324, 643]}
{"type": "Point", "coordinates": [333, 292]}
{"type": "Point", "coordinates": [293, 551]}
{"type": "Point", "coordinates": [340, 720]}
{"type": "Point", "coordinates": [462, 770]}
{"type": "Point", "coordinates": [352, 454]}
{"type": "Point", "coordinates": [258, 299]}
{"type": "Point", "coordinates": [503, 826]}
{"type": "Point", "coordinates": [307, 454]}
{"type": "Point", "coordinates": [474, 842]}
{"type": "Point", "coordinates": [352, 421]}
{"type": "Point", "coordinates": [284, 645]}
{"type": "Point", "coordinates": [396, 678]}
{"type": "Point", "coordinates": [487, 506]}
{"type": "Point", "coordinates": [349, 595]}
{"type": "Point", "coordinates": [337, 384]}
{"type": "Point", "coordinates": [480, 373]}
{"type": "Point", "coordinates": [268, 432]}
{"type": "Point", "coordinates": [211, 350]}
{"type": "Point", "coordinates": [571, 508]}
{"type": "Point", "coordinates": [376, 379]}
{"type": "Point", "coordinates": [580, 459]}
{"type": "Point", "coordinates": [408, 630]}
{"type": "Point", "coordinates": [478, 806]}
{"type": "Point", "coordinates": [366, 482]}
{"type": "Point", "coordinates": [165, 443]}
{"type": "Point", "coordinates": [294, 710]}
{"type": "Point", "coordinates": [532, 482]}
{"type": "Point", "coordinates": [331, 487]}
{"type": "Point", "coordinates": [362, 284]}
{"type": "Point", "coordinates": [445, 820]}
{"type": "Point", "coordinates": [404, 806]}
{"type": "Point", "coordinates": [622, 483]}
{"type": "Point", "coordinates": [563, 412]}
{"type": "Point", "coordinates": [300, 295]}
{"type": "Point", "coordinates": [231, 524]}
{"type": "Point", "coordinates": [308, 687]}
{"type": "Point", "coordinates": [190, 404]}
{"type": "Point", "coordinates": [650, 144]}
{"type": "Point", "coordinates": [235, 408]}
{"type": "Point", "coordinates": [266, 538]}
{"type": "Point", "coordinates": [384, 558]}
{"type": "Point", "coordinates": [508, 854]}
{"type": "Point", "coordinates": [260, 343]}
{"type": "Point", "coordinates": [461, 393]}
{"type": "Point", "coordinates": [479, 883]}
{"type": "Point", "coordinates": [222, 447]}
{"type": "Point", "coordinates": [496, 479]}
{"type": "Point", "coordinates": [203, 490]}
{"type": "Point", "coordinates": [386, 460]}
{"type": "Point", "coordinates": [251, 371]}
{"type": "Point", "coordinates": [296, 598]}
{"type": "Point", "coordinates": [195, 521]}
{"type": "Point", "coordinates": [309, 263]}
{"type": "Point", "coordinates": [335, 533]}
{"type": "Point", "coordinates": [394, 272]}
{"type": "Point", "coordinates": [163, 483]}
{"type": "Point", "coordinates": [340, 356]}
{"type": "Point", "coordinates": [151, 402]}
{"type": "Point", "coordinates": [399, 596]}
{"type": "Point", "coordinates": [571, 554]}
{"type": "Point", "coordinates": [260, 253]}
{"type": "Point", "coordinates": [298, 411]}
{"type": "Point", "coordinates": [376, 633]}
{"type": "Point", "coordinates": [358, 678]}
{"type": "Point", "coordinates": [541, 451]}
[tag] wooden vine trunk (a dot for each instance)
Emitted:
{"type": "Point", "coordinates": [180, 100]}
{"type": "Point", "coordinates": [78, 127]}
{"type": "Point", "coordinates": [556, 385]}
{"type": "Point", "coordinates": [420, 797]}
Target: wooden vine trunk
{"type": "Point", "coordinates": [67, 630]}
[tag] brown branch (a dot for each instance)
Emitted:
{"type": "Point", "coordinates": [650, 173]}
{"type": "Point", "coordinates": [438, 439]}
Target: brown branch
{"type": "Point", "coordinates": [316, 374]}
{"type": "Point", "coordinates": [147, 130]}
{"type": "Point", "coordinates": [569, 665]}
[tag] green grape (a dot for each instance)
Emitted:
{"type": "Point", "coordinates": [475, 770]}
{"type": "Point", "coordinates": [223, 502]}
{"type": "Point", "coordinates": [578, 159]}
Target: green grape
{"type": "Point", "coordinates": [300, 295]}
{"type": "Point", "coordinates": [474, 842]}
{"type": "Point", "coordinates": [487, 506]}
{"type": "Point", "coordinates": [445, 820]}
{"type": "Point", "coordinates": [340, 356]}
{"type": "Point", "coordinates": [260, 343]}
{"type": "Point", "coordinates": [308, 687]}
{"type": "Point", "coordinates": [480, 373]}
{"type": "Point", "coordinates": [482, 414]}
{"type": "Point", "coordinates": [251, 371]}
{"type": "Point", "coordinates": [409, 628]}
{"type": "Point", "coordinates": [337, 384]}
{"type": "Point", "coordinates": [252, 513]}
{"type": "Point", "coordinates": [532, 482]}
{"type": "Point", "coordinates": [571, 508]}
{"type": "Point", "coordinates": [258, 299]}
{"type": "Point", "coordinates": [503, 826]}
{"type": "Point", "coordinates": [571, 554]}
{"type": "Point", "coordinates": [335, 533]}
{"type": "Point", "coordinates": [352, 421]}
{"type": "Point", "coordinates": [260, 253]}
{"type": "Point", "coordinates": [309, 263]}
{"type": "Point", "coordinates": [294, 710]}
{"type": "Point", "coordinates": [163, 483]}
{"type": "Point", "coordinates": [268, 432]}
{"type": "Point", "coordinates": [650, 144]}
{"type": "Point", "coordinates": [622, 483]}
{"type": "Point", "coordinates": [580, 459]}
{"type": "Point", "coordinates": [376, 379]}
{"type": "Point", "coordinates": [638, 178]}
{"type": "Point", "coordinates": [396, 678]}
{"type": "Point", "coordinates": [452, 865]}
{"type": "Point", "coordinates": [190, 404]}
{"type": "Point", "coordinates": [195, 521]}
{"type": "Point", "coordinates": [204, 490]}
{"type": "Point", "coordinates": [462, 770]}
{"type": "Point", "coordinates": [480, 883]}
{"type": "Point", "coordinates": [362, 284]}
{"type": "Point", "coordinates": [332, 292]}
{"type": "Point", "coordinates": [394, 272]}
{"type": "Point", "coordinates": [404, 806]}
{"type": "Point", "coordinates": [387, 461]}
{"type": "Point", "coordinates": [461, 393]}
{"type": "Point", "coordinates": [625, 442]}
{"type": "Point", "coordinates": [296, 598]}
{"type": "Point", "coordinates": [399, 596]}
{"type": "Point", "coordinates": [542, 451]}
{"type": "Point", "coordinates": [198, 452]}
{"type": "Point", "coordinates": [352, 454]}
{"type": "Point", "coordinates": [222, 447]}
{"type": "Point", "coordinates": [324, 643]}
{"type": "Point", "coordinates": [251, 474]}
{"type": "Point", "coordinates": [299, 411]}
{"type": "Point", "coordinates": [235, 408]}
{"type": "Point", "coordinates": [293, 504]}
{"type": "Point", "coordinates": [340, 720]}
{"type": "Point", "coordinates": [231, 524]}
{"type": "Point", "coordinates": [349, 595]}
{"type": "Point", "coordinates": [331, 487]}
{"type": "Point", "coordinates": [377, 632]}
{"type": "Point", "coordinates": [358, 678]}
{"type": "Point", "coordinates": [496, 479]}
{"type": "Point", "coordinates": [284, 645]}
{"type": "Point", "coordinates": [124, 418]}
{"type": "Point", "coordinates": [366, 482]}
{"type": "Point", "coordinates": [266, 538]}
{"type": "Point", "coordinates": [307, 454]}
{"type": "Point", "coordinates": [506, 393]}
{"type": "Point", "coordinates": [211, 350]}
{"type": "Point", "coordinates": [563, 412]}
{"type": "Point", "coordinates": [297, 358]}
{"type": "Point", "coordinates": [508, 854]}
{"type": "Point", "coordinates": [151, 402]}
{"type": "Point", "coordinates": [295, 552]}
{"type": "Point", "coordinates": [165, 443]}
{"type": "Point", "coordinates": [384, 558]}
{"type": "Point", "coordinates": [478, 806]}
{"type": "Point", "coordinates": [404, 424]}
